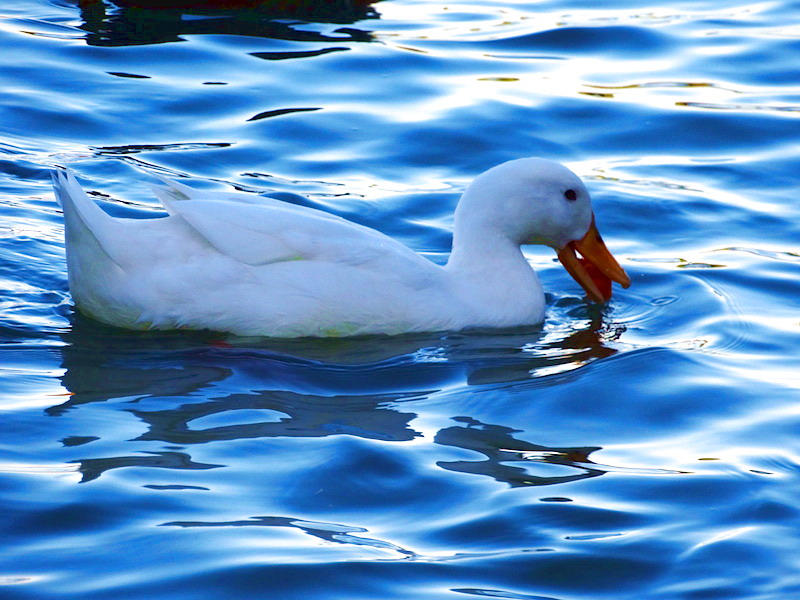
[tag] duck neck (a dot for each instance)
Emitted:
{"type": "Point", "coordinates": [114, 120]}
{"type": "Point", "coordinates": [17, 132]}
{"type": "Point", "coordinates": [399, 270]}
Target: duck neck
{"type": "Point", "coordinates": [484, 250]}
{"type": "Point", "coordinates": [491, 276]}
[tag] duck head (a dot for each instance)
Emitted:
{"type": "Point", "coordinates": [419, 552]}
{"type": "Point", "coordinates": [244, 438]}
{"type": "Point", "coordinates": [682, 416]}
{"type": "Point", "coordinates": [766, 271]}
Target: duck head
{"type": "Point", "coordinates": [537, 201]}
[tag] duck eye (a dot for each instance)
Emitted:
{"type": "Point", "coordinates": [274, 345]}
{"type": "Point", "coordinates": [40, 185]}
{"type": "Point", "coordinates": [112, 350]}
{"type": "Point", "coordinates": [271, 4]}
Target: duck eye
{"type": "Point", "coordinates": [571, 195]}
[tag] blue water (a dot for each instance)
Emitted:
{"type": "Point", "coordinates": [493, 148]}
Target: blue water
{"type": "Point", "coordinates": [648, 449]}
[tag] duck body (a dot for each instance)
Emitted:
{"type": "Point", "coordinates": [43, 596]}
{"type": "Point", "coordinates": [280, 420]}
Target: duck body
{"type": "Point", "coordinates": [257, 266]}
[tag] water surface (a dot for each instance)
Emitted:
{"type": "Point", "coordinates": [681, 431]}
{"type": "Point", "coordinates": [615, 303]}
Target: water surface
{"type": "Point", "coordinates": [646, 449]}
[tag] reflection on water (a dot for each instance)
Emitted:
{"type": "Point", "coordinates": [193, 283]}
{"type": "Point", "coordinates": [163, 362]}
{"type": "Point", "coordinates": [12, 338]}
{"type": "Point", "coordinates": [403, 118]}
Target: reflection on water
{"type": "Point", "coordinates": [501, 448]}
{"type": "Point", "coordinates": [186, 378]}
{"type": "Point", "coordinates": [138, 22]}
{"type": "Point", "coordinates": [329, 532]}
{"type": "Point", "coordinates": [305, 416]}
{"type": "Point", "coordinates": [92, 468]}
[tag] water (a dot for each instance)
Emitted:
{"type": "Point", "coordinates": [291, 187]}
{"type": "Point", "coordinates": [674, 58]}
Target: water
{"type": "Point", "coordinates": [644, 450]}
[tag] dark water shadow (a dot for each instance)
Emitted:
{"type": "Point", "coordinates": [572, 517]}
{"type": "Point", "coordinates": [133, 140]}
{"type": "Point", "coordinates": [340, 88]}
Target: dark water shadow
{"type": "Point", "coordinates": [305, 416]}
{"type": "Point", "coordinates": [500, 448]}
{"type": "Point", "coordinates": [328, 532]}
{"type": "Point", "coordinates": [140, 22]}
{"type": "Point", "coordinates": [192, 388]}
{"type": "Point", "coordinates": [103, 362]}
{"type": "Point", "coordinates": [92, 468]}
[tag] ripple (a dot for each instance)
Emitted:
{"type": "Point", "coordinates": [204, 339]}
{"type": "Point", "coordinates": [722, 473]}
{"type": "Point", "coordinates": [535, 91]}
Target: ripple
{"type": "Point", "coordinates": [37, 469]}
{"type": "Point", "coordinates": [278, 112]}
{"type": "Point", "coordinates": [139, 148]}
{"type": "Point", "coordinates": [92, 468]}
{"type": "Point", "coordinates": [641, 449]}
{"type": "Point", "coordinates": [18, 579]}
{"type": "Point", "coordinates": [608, 40]}
{"type": "Point", "coordinates": [501, 594]}
{"type": "Point", "coordinates": [330, 532]}
{"type": "Point", "coordinates": [297, 54]}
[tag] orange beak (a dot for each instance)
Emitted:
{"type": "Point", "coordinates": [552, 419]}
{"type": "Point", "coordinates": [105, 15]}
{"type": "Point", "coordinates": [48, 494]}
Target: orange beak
{"type": "Point", "coordinates": [597, 269]}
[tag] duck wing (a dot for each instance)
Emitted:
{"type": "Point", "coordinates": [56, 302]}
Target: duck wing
{"type": "Point", "coordinates": [260, 231]}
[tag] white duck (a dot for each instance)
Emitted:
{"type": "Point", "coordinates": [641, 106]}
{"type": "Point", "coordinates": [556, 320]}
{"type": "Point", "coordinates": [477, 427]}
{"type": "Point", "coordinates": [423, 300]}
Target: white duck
{"type": "Point", "coordinates": [251, 265]}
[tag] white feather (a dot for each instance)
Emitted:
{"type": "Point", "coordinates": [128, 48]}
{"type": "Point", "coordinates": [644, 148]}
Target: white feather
{"type": "Point", "coordinates": [258, 266]}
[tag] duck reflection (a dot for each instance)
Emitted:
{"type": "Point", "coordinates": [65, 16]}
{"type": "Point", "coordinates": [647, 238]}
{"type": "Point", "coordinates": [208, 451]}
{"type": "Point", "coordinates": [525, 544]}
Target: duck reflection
{"type": "Point", "coordinates": [192, 388]}
{"type": "Point", "coordinates": [137, 22]}
{"type": "Point", "coordinates": [501, 448]}
{"type": "Point", "coordinates": [103, 363]}
{"type": "Point", "coordinates": [328, 532]}
{"type": "Point", "coordinates": [299, 415]}
{"type": "Point", "coordinates": [92, 468]}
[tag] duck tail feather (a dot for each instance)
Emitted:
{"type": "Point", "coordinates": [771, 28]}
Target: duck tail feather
{"type": "Point", "coordinates": [83, 217]}
{"type": "Point", "coordinates": [169, 191]}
